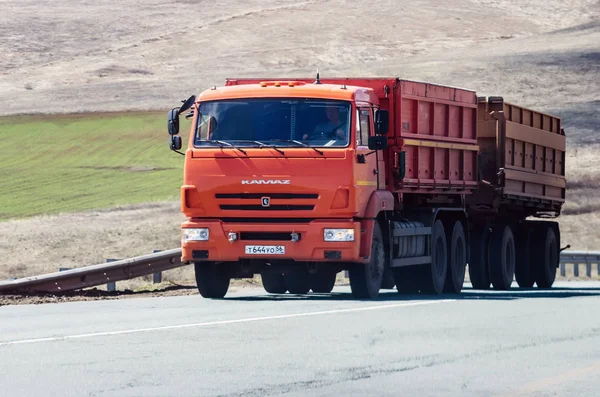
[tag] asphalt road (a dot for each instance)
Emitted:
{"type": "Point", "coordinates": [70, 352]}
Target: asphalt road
{"type": "Point", "coordinates": [533, 343]}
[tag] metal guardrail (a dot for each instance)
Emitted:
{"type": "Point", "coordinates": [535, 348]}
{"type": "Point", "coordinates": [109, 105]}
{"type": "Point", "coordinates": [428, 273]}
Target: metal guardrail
{"type": "Point", "coordinates": [576, 258]}
{"type": "Point", "coordinates": [91, 276]}
{"type": "Point", "coordinates": [125, 269]}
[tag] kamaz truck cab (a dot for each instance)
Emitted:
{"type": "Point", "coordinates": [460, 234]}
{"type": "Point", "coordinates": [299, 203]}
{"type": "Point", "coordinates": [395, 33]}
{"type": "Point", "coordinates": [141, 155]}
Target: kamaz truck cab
{"type": "Point", "coordinates": [284, 179]}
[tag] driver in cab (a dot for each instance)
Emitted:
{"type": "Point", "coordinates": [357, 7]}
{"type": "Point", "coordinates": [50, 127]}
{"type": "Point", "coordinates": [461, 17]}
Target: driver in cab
{"type": "Point", "coordinates": [333, 128]}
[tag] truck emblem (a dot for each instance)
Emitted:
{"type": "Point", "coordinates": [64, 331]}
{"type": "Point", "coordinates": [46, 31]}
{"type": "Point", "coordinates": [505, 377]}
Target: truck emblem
{"type": "Point", "coordinates": [266, 182]}
{"type": "Point", "coordinates": [265, 201]}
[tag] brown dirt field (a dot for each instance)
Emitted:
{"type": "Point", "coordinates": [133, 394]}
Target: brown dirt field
{"type": "Point", "coordinates": [61, 57]}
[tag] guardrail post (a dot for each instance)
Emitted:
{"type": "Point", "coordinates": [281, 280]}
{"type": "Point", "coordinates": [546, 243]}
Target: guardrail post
{"type": "Point", "coordinates": [563, 270]}
{"type": "Point", "coordinates": [156, 276]}
{"type": "Point", "coordinates": [576, 269]}
{"type": "Point", "coordinates": [111, 286]}
{"type": "Point", "coordinates": [588, 270]}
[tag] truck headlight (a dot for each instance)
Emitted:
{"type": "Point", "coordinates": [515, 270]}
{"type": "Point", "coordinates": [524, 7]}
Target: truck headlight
{"type": "Point", "coordinates": [200, 234]}
{"type": "Point", "coordinates": [338, 235]}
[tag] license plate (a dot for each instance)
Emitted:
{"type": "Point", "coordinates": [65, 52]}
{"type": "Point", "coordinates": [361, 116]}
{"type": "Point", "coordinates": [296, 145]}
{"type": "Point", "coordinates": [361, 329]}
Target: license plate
{"type": "Point", "coordinates": [265, 249]}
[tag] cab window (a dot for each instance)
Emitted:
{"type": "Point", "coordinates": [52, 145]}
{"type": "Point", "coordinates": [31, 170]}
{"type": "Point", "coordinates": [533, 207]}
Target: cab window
{"type": "Point", "coordinates": [363, 126]}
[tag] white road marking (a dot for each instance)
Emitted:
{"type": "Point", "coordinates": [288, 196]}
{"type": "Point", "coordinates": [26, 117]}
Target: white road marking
{"type": "Point", "coordinates": [223, 322]}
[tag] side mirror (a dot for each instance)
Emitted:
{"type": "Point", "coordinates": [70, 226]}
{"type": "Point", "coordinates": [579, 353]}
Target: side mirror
{"type": "Point", "coordinates": [173, 117]}
{"type": "Point", "coordinates": [378, 143]}
{"type": "Point", "coordinates": [382, 122]}
{"type": "Point", "coordinates": [173, 121]}
{"type": "Point", "coordinates": [187, 104]}
{"type": "Point", "coordinates": [175, 143]}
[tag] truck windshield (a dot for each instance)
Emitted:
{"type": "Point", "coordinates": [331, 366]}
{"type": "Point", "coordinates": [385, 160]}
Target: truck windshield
{"type": "Point", "coordinates": [283, 122]}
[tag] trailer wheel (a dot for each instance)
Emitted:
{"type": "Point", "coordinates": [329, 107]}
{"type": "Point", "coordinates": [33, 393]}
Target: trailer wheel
{"type": "Point", "coordinates": [297, 282]}
{"type": "Point", "coordinates": [457, 255]}
{"type": "Point", "coordinates": [434, 275]}
{"type": "Point", "coordinates": [479, 267]}
{"type": "Point", "coordinates": [502, 257]}
{"type": "Point", "coordinates": [273, 283]}
{"type": "Point", "coordinates": [212, 279]}
{"type": "Point", "coordinates": [323, 281]}
{"type": "Point", "coordinates": [546, 256]}
{"type": "Point", "coordinates": [524, 271]}
{"type": "Point", "coordinates": [366, 279]}
{"type": "Point", "coordinates": [407, 279]}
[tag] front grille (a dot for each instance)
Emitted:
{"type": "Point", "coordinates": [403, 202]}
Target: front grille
{"type": "Point", "coordinates": [266, 220]}
{"type": "Point", "coordinates": [283, 196]}
{"type": "Point", "coordinates": [263, 236]}
{"type": "Point", "coordinates": [273, 207]}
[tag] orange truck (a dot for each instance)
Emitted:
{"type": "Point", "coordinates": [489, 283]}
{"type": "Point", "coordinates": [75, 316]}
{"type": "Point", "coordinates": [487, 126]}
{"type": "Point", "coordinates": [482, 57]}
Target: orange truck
{"type": "Point", "coordinates": [400, 183]}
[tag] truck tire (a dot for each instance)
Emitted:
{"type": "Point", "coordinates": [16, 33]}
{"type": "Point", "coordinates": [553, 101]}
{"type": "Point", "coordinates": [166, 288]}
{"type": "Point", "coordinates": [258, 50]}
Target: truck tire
{"type": "Point", "coordinates": [366, 279]}
{"type": "Point", "coordinates": [388, 279]}
{"type": "Point", "coordinates": [479, 267]}
{"type": "Point", "coordinates": [323, 281]}
{"type": "Point", "coordinates": [457, 259]}
{"type": "Point", "coordinates": [212, 279]}
{"type": "Point", "coordinates": [297, 282]}
{"type": "Point", "coordinates": [502, 257]}
{"type": "Point", "coordinates": [545, 256]}
{"type": "Point", "coordinates": [434, 275]}
{"type": "Point", "coordinates": [524, 273]}
{"type": "Point", "coordinates": [407, 279]}
{"type": "Point", "coordinates": [273, 283]}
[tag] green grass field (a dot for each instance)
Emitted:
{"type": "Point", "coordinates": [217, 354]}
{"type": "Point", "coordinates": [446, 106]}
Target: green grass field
{"type": "Point", "coordinates": [66, 163]}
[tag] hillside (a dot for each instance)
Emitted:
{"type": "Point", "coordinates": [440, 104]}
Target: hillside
{"type": "Point", "coordinates": [67, 56]}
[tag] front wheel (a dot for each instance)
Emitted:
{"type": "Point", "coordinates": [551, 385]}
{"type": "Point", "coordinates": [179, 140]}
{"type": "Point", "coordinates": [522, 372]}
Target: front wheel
{"type": "Point", "coordinates": [366, 279]}
{"type": "Point", "coordinates": [323, 281]}
{"type": "Point", "coordinates": [297, 282]}
{"type": "Point", "coordinates": [212, 279]}
{"type": "Point", "coordinates": [273, 283]}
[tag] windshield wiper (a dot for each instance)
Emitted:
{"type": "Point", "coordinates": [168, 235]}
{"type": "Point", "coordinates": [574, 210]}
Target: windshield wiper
{"type": "Point", "coordinates": [298, 143]}
{"type": "Point", "coordinates": [262, 145]}
{"type": "Point", "coordinates": [223, 143]}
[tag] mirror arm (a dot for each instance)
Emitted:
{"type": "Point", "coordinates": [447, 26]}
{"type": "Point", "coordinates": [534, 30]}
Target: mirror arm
{"type": "Point", "coordinates": [177, 151]}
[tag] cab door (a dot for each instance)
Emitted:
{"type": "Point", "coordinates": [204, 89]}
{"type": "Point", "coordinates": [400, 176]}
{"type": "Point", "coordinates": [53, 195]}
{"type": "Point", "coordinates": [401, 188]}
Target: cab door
{"type": "Point", "coordinates": [370, 169]}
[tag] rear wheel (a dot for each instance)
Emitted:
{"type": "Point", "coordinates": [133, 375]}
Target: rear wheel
{"type": "Point", "coordinates": [524, 273]}
{"type": "Point", "coordinates": [457, 255]}
{"type": "Point", "coordinates": [366, 279]}
{"type": "Point", "coordinates": [502, 257]}
{"type": "Point", "coordinates": [273, 283]}
{"type": "Point", "coordinates": [434, 274]}
{"type": "Point", "coordinates": [479, 268]}
{"type": "Point", "coordinates": [388, 279]}
{"type": "Point", "coordinates": [212, 279]}
{"type": "Point", "coordinates": [297, 282]}
{"type": "Point", "coordinates": [407, 279]}
{"type": "Point", "coordinates": [323, 281]}
{"type": "Point", "coordinates": [545, 256]}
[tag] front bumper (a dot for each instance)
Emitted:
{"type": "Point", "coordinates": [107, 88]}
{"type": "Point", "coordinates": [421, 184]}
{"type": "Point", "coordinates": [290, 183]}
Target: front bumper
{"type": "Point", "coordinates": [310, 247]}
